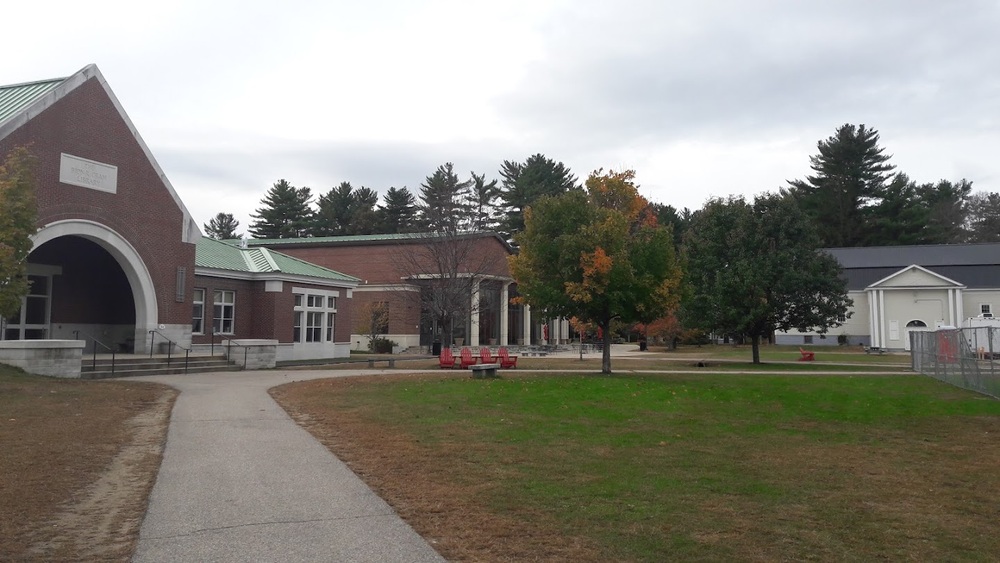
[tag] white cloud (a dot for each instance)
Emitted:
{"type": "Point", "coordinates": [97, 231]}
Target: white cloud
{"type": "Point", "coordinates": [703, 98]}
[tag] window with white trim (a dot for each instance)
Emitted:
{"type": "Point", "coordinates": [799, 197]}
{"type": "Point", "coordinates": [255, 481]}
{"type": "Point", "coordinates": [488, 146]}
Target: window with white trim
{"type": "Point", "coordinates": [314, 316]}
{"type": "Point", "coordinates": [986, 309]}
{"type": "Point", "coordinates": [198, 311]}
{"type": "Point", "coordinates": [223, 311]}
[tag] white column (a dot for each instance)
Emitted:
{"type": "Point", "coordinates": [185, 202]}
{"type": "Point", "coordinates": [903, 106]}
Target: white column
{"type": "Point", "coordinates": [881, 318]}
{"type": "Point", "coordinates": [959, 310]}
{"type": "Point", "coordinates": [872, 319]}
{"type": "Point", "coordinates": [474, 324]}
{"type": "Point", "coordinates": [527, 324]}
{"type": "Point", "coordinates": [504, 319]}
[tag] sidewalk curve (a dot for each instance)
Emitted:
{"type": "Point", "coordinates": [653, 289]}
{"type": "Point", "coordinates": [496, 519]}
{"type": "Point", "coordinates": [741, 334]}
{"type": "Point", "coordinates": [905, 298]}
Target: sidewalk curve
{"type": "Point", "coordinates": [240, 481]}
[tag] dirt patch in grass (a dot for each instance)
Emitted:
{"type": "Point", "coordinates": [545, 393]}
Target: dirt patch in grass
{"type": "Point", "coordinates": [79, 461]}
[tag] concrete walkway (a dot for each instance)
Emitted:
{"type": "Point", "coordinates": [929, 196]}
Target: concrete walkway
{"type": "Point", "coordinates": [240, 481]}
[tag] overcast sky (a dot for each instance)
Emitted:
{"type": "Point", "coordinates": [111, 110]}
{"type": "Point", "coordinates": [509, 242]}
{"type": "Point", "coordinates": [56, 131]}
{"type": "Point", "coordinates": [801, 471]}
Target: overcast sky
{"type": "Point", "coordinates": [702, 98]}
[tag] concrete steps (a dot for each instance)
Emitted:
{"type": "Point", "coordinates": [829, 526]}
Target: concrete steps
{"type": "Point", "coordinates": [128, 365]}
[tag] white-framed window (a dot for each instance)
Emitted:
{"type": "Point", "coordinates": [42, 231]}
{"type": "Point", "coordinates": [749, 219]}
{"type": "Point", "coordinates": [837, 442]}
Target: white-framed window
{"type": "Point", "coordinates": [223, 311]}
{"type": "Point", "coordinates": [31, 321]}
{"type": "Point", "coordinates": [986, 309]}
{"type": "Point", "coordinates": [314, 326]}
{"type": "Point", "coordinates": [198, 311]}
{"type": "Point", "coordinates": [315, 315]}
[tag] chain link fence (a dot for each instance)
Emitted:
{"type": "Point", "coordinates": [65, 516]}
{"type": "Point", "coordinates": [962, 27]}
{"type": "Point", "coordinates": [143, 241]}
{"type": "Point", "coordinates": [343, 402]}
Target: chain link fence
{"type": "Point", "coordinates": [966, 357]}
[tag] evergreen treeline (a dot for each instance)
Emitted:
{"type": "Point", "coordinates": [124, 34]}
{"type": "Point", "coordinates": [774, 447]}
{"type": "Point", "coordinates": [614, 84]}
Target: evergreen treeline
{"type": "Point", "coordinates": [855, 197]}
{"type": "Point", "coordinates": [444, 202]}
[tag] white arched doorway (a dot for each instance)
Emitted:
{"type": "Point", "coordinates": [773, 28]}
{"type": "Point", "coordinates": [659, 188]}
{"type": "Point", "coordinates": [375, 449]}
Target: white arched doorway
{"type": "Point", "coordinates": [132, 265]}
{"type": "Point", "coordinates": [913, 326]}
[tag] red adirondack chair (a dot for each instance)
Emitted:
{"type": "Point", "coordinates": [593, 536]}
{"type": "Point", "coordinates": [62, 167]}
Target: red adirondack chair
{"type": "Point", "coordinates": [506, 360]}
{"type": "Point", "coordinates": [446, 359]}
{"type": "Point", "coordinates": [807, 356]}
{"type": "Point", "coordinates": [466, 358]}
{"type": "Point", "coordinates": [485, 357]}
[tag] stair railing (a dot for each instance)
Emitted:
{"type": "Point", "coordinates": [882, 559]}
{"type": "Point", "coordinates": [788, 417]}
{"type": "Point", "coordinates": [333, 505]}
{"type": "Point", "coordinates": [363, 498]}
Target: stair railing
{"type": "Point", "coordinates": [229, 346]}
{"type": "Point", "coordinates": [170, 347]}
{"type": "Point", "coordinates": [93, 364]}
{"type": "Point", "coordinates": [229, 354]}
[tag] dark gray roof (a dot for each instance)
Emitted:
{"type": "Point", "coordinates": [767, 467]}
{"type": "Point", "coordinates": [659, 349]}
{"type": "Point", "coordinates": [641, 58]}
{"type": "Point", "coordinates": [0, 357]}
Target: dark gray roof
{"type": "Point", "coordinates": [976, 266]}
{"type": "Point", "coordinates": [924, 255]}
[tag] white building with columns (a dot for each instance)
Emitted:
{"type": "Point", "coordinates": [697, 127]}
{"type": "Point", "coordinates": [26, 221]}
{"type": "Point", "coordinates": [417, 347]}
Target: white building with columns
{"type": "Point", "coordinates": [901, 289]}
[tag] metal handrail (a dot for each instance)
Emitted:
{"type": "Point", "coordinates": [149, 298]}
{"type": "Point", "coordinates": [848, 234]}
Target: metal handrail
{"type": "Point", "coordinates": [152, 340]}
{"type": "Point", "coordinates": [229, 354]}
{"type": "Point", "coordinates": [93, 363]}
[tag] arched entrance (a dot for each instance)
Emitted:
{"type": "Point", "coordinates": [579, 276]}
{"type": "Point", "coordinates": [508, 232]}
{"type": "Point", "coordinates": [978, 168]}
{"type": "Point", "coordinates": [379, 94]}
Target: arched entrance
{"type": "Point", "coordinates": [88, 283]}
{"type": "Point", "coordinates": [913, 326]}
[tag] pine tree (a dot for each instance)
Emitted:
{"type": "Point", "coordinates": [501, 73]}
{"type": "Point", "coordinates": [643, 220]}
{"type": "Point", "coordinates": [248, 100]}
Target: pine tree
{"type": "Point", "coordinates": [222, 227]}
{"type": "Point", "coordinates": [900, 218]}
{"type": "Point", "coordinates": [482, 198]}
{"type": "Point", "coordinates": [285, 213]}
{"type": "Point", "coordinates": [335, 209]}
{"type": "Point", "coordinates": [947, 211]}
{"type": "Point", "coordinates": [398, 212]}
{"type": "Point", "coordinates": [444, 207]}
{"type": "Point", "coordinates": [851, 175]}
{"type": "Point", "coordinates": [364, 218]}
{"type": "Point", "coordinates": [984, 217]}
{"type": "Point", "coordinates": [523, 183]}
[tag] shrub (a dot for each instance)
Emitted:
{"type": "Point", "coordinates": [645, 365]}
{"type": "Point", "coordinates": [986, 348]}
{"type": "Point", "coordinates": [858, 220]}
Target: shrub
{"type": "Point", "coordinates": [381, 345]}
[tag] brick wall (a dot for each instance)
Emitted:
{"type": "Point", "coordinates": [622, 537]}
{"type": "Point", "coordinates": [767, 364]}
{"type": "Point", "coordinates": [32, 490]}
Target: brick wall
{"type": "Point", "coordinates": [86, 124]}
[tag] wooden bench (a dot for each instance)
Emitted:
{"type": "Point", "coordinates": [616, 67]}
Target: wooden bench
{"type": "Point", "coordinates": [392, 362]}
{"type": "Point", "coordinates": [484, 370]}
{"type": "Point", "coordinates": [807, 356]}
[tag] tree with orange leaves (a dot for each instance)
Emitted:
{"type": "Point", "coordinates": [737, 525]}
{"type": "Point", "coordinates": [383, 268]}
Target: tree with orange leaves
{"type": "Point", "coordinates": [598, 255]}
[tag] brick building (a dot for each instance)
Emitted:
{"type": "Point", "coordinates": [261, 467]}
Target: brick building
{"type": "Point", "coordinates": [117, 255]}
{"type": "Point", "coordinates": [446, 288]}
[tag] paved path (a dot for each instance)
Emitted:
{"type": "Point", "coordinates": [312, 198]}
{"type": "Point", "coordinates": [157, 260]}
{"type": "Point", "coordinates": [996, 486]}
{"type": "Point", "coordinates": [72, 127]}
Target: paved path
{"type": "Point", "coordinates": [240, 481]}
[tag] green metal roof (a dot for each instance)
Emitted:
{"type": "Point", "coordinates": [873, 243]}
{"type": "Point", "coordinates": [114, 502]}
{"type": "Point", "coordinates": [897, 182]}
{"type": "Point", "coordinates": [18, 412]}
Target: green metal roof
{"type": "Point", "coordinates": [211, 253]}
{"type": "Point", "coordinates": [341, 239]}
{"type": "Point", "coordinates": [18, 97]}
{"type": "Point", "coordinates": [359, 240]}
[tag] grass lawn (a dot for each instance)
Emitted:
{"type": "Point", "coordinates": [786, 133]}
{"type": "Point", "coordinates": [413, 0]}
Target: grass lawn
{"type": "Point", "coordinates": [78, 461]}
{"type": "Point", "coordinates": [706, 467]}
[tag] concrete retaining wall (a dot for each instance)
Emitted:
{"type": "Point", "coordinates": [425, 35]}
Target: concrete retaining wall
{"type": "Point", "coordinates": [54, 358]}
{"type": "Point", "coordinates": [252, 353]}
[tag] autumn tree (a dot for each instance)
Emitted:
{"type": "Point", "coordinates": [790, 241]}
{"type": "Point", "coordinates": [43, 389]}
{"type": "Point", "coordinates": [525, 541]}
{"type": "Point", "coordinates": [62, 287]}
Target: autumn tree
{"type": "Point", "coordinates": [284, 213]}
{"type": "Point", "coordinates": [598, 255]}
{"type": "Point", "coordinates": [222, 227]}
{"type": "Point", "coordinates": [754, 269]}
{"type": "Point", "coordinates": [18, 216]}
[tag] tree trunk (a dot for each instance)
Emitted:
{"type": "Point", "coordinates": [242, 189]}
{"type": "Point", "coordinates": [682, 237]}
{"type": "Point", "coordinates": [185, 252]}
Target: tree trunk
{"type": "Point", "coordinates": [606, 357]}
{"type": "Point", "coordinates": [755, 344]}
